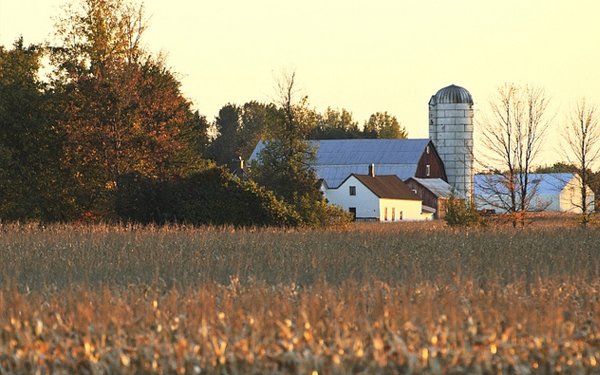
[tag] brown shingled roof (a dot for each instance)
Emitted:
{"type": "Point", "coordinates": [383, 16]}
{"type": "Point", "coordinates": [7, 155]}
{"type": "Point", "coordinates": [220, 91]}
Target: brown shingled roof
{"type": "Point", "coordinates": [387, 187]}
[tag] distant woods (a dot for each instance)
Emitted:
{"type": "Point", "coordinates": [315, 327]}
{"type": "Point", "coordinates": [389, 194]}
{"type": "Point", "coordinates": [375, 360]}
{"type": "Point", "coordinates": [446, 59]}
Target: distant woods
{"type": "Point", "coordinates": [93, 127]}
{"type": "Point", "coordinates": [238, 128]}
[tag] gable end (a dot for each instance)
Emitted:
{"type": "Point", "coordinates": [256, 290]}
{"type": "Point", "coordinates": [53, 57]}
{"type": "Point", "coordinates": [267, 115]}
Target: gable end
{"type": "Point", "coordinates": [436, 165]}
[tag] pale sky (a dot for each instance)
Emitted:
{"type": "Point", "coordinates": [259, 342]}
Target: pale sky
{"type": "Point", "coordinates": [365, 56]}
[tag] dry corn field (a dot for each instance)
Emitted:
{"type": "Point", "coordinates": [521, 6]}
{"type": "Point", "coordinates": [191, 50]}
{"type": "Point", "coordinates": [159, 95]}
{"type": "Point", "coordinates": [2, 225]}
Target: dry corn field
{"type": "Point", "coordinates": [366, 299]}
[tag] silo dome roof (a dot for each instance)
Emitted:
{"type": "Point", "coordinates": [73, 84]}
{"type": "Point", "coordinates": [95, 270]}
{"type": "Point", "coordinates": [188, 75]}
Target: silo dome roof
{"type": "Point", "coordinates": [452, 95]}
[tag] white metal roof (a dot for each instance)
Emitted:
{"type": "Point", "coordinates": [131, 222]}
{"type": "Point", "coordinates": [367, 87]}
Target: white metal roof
{"type": "Point", "coordinates": [437, 186]}
{"type": "Point", "coordinates": [546, 183]}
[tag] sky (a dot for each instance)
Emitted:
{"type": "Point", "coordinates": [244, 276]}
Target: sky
{"type": "Point", "coordinates": [364, 56]}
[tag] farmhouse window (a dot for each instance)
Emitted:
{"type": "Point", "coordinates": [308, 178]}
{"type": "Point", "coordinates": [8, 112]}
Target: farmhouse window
{"type": "Point", "coordinates": [385, 214]}
{"type": "Point", "coordinates": [427, 150]}
{"type": "Point", "coordinates": [352, 190]}
{"type": "Point", "coordinates": [428, 170]}
{"type": "Point", "coordinates": [353, 212]}
{"type": "Point", "coordinates": [393, 213]}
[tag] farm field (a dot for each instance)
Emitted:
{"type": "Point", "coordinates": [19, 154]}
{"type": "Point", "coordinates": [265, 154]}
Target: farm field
{"type": "Point", "coordinates": [365, 299]}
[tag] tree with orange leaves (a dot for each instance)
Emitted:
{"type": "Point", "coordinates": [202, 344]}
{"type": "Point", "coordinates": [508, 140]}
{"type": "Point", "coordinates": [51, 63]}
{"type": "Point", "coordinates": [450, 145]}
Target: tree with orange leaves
{"type": "Point", "coordinates": [123, 110]}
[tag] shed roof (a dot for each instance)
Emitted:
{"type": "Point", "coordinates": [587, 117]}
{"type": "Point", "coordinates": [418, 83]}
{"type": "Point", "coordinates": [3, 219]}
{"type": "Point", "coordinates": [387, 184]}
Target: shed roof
{"type": "Point", "coordinates": [336, 159]}
{"type": "Point", "coordinates": [387, 187]}
{"type": "Point", "coordinates": [546, 183]}
{"type": "Point", "coordinates": [550, 183]}
{"type": "Point", "coordinates": [437, 186]}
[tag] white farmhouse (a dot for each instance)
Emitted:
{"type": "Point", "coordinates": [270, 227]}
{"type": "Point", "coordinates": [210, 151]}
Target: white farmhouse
{"type": "Point", "coordinates": [560, 192]}
{"type": "Point", "coordinates": [377, 198]}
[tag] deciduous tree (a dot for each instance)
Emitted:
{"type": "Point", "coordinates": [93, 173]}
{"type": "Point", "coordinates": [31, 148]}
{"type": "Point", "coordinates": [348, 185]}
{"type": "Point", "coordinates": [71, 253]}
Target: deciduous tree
{"type": "Point", "coordinates": [239, 130]}
{"type": "Point", "coordinates": [256, 118]}
{"type": "Point", "coordinates": [335, 124]}
{"type": "Point", "coordinates": [384, 125]}
{"type": "Point", "coordinates": [581, 145]}
{"type": "Point", "coordinates": [512, 135]}
{"type": "Point", "coordinates": [123, 109]}
{"type": "Point", "coordinates": [285, 163]}
{"type": "Point", "coordinates": [31, 179]}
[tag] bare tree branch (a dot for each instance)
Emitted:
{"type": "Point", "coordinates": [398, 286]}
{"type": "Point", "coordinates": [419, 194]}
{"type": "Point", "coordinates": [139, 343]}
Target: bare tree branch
{"type": "Point", "coordinates": [512, 137]}
{"type": "Point", "coordinates": [581, 147]}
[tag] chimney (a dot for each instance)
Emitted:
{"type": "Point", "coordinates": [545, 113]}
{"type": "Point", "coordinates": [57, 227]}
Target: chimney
{"type": "Point", "coordinates": [372, 170]}
{"type": "Point", "coordinates": [241, 165]}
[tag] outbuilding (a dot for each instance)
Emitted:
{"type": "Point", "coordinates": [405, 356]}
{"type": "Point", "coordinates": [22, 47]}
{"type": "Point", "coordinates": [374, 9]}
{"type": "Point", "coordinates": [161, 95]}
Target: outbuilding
{"type": "Point", "coordinates": [560, 192]}
{"type": "Point", "coordinates": [377, 198]}
{"type": "Point", "coordinates": [434, 192]}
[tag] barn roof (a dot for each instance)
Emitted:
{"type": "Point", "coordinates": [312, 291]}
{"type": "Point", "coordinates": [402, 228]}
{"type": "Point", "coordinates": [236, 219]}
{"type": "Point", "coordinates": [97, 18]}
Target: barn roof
{"type": "Point", "coordinates": [547, 183]}
{"type": "Point", "coordinates": [437, 186]}
{"type": "Point", "coordinates": [387, 187]}
{"type": "Point", "coordinates": [336, 159]}
{"type": "Point", "coordinates": [550, 183]}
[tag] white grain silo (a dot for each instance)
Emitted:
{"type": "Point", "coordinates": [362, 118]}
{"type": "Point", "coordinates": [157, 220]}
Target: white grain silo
{"type": "Point", "coordinates": [451, 130]}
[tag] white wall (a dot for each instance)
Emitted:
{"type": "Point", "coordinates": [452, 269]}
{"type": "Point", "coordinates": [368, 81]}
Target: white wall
{"type": "Point", "coordinates": [403, 209]}
{"type": "Point", "coordinates": [369, 206]}
{"type": "Point", "coordinates": [570, 197]}
{"type": "Point", "coordinates": [366, 203]}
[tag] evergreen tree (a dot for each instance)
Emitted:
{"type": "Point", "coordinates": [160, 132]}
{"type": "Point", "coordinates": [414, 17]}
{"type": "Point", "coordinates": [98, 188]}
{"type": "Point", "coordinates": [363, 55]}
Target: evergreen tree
{"type": "Point", "coordinates": [223, 148]}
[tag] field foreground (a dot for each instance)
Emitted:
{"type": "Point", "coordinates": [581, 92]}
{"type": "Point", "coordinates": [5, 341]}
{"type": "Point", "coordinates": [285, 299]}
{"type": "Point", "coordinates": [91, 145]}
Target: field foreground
{"type": "Point", "coordinates": [366, 299]}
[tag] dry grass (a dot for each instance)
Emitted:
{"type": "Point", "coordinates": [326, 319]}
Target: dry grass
{"type": "Point", "coordinates": [412, 298]}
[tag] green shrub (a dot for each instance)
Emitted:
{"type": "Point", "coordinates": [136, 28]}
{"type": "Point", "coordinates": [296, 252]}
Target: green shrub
{"type": "Point", "coordinates": [211, 197]}
{"type": "Point", "coordinates": [460, 212]}
{"type": "Point", "coordinates": [137, 199]}
{"type": "Point", "coordinates": [315, 212]}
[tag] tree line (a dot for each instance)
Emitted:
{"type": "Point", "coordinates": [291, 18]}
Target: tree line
{"type": "Point", "coordinates": [108, 135]}
{"type": "Point", "coordinates": [238, 128]}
